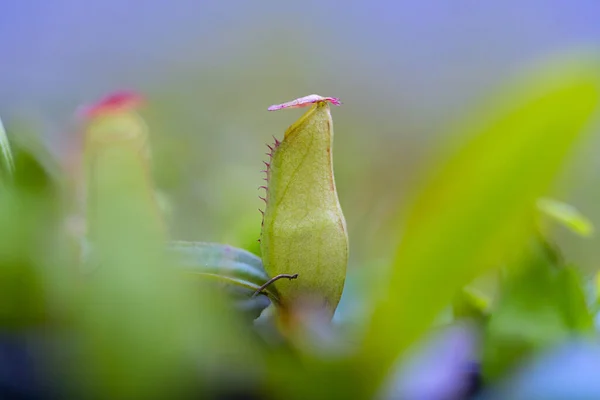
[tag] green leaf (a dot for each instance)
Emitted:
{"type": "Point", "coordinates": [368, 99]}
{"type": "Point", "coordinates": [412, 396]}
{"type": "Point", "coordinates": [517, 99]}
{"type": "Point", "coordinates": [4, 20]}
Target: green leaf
{"type": "Point", "coordinates": [30, 247]}
{"type": "Point", "coordinates": [304, 231]}
{"type": "Point", "coordinates": [8, 165]}
{"type": "Point", "coordinates": [572, 300]}
{"type": "Point", "coordinates": [566, 215]}
{"type": "Point", "coordinates": [479, 207]}
{"type": "Point", "coordinates": [470, 304]}
{"type": "Point", "coordinates": [228, 264]}
{"type": "Point", "coordinates": [541, 304]}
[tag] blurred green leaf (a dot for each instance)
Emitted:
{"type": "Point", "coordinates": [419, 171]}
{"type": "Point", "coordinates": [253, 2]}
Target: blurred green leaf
{"type": "Point", "coordinates": [221, 260]}
{"type": "Point", "coordinates": [470, 304]}
{"type": "Point", "coordinates": [217, 262]}
{"type": "Point", "coordinates": [479, 207]}
{"type": "Point", "coordinates": [572, 300]}
{"type": "Point", "coordinates": [230, 266]}
{"type": "Point", "coordinates": [541, 304]}
{"type": "Point", "coordinates": [596, 289]}
{"type": "Point", "coordinates": [566, 215]}
{"type": "Point", "coordinates": [7, 162]}
{"type": "Point", "coordinates": [29, 217]}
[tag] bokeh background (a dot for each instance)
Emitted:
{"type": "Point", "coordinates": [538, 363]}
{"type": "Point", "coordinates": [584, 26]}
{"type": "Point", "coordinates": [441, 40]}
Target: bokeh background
{"type": "Point", "coordinates": [406, 71]}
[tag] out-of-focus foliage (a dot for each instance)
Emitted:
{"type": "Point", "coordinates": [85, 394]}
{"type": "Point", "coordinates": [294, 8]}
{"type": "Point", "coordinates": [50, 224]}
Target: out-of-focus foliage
{"type": "Point", "coordinates": [542, 304]}
{"type": "Point", "coordinates": [478, 209]}
{"type": "Point", "coordinates": [238, 272]}
{"type": "Point", "coordinates": [470, 304]}
{"type": "Point", "coordinates": [8, 165]}
{"type": "Point", "coordinates": [144, 326]}
{"type": "Point", "coordinates": [102, 302]}
{"type": "Point", "coordinates": [567, 215]}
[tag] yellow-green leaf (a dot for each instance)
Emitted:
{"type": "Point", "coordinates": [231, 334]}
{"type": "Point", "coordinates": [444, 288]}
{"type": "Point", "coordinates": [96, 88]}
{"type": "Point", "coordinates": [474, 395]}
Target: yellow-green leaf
{"type": "Point", "coordinates": [566, 215]}
{"type": "Point", "coordinates": [470, 303]}
{"type": "Point", "coordinates": [480, 206]}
